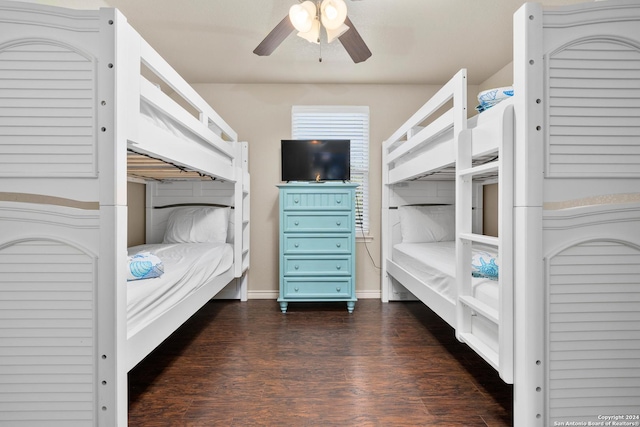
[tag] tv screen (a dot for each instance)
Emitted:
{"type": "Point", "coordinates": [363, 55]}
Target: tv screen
{"type": "Point", "coordinates": [315, 160]}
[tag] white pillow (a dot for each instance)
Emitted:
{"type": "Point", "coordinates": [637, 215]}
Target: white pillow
{"type": "Point", "coordinates": [426, 224]}
{"type": "Point", "coordinates": [197, 225]}
{"type": "Point", "coordinates": [231, 229]}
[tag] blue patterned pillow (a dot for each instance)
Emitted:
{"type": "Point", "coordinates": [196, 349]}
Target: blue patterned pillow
{"type": "Point", "coordinates": [484, 265]}
{"type": "Point", "coordinates": [144, 265]}
{"type": "Point", "coordinates": [491, 97]}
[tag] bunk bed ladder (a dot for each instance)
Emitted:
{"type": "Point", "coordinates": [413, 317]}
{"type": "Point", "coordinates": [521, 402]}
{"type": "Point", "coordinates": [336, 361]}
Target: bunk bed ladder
{"type": "Point", "coordinates": [474, 317]}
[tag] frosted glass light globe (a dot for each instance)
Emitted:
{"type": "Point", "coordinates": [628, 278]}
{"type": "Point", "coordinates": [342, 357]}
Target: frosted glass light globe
{"type": "Point", "coordinates": [333, 13]}
{"type": "Point", "coordinates": [302, 15]}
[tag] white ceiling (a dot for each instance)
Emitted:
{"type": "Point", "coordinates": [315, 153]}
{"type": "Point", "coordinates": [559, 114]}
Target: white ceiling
{"type": "Point", "coordinates": [412, 41]}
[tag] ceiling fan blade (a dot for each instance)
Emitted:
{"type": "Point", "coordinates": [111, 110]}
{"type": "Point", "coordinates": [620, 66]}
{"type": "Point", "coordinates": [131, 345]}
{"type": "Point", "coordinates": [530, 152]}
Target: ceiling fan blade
{"type": "Point", "coordinates": [275, 37]}
{"type": "Point", "coordinates": [353, 43]}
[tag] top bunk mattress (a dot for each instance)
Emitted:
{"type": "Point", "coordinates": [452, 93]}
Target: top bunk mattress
{"type": "Point", "coordinates": [187, 267]}
{"type": "Point", "coordinates": [434, 264]}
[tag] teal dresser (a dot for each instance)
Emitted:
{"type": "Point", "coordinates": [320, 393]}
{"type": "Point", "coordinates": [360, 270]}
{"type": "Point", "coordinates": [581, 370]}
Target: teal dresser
{"type": "Point", "coordinates": [317, 243]}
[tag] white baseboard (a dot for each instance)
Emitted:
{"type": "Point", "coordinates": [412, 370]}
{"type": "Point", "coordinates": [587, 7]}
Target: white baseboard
{"type": "Point", "coordinates": [369, 294]}
{"type": "Point", "coordinates": [274, 294]}
{"type": "Point", "coordinates": [263, 295]}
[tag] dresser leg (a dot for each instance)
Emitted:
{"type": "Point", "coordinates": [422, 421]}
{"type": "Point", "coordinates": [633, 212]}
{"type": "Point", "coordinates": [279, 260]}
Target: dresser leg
{"type": "Point", "coordinates": [351, 305]}
{"type": "Point", "coordinates": [283, 306]}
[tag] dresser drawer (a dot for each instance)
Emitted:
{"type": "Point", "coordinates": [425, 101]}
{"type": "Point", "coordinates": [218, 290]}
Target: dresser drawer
{"type": "Point", "coordinates": [319, 265]}
{"type": "Point", "coordinates": [316, 288]}
{"type": "Point", "coordinates": [317, 221]}
{"type": "Point", "coordinates": [329, 199]}
{"type": "Point", "coordinates": [328, 243]}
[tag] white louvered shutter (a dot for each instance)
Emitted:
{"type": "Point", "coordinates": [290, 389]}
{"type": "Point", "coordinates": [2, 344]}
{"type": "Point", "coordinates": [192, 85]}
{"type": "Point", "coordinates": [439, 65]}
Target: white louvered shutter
{"type": "Point", "coordinates": [341, 122]}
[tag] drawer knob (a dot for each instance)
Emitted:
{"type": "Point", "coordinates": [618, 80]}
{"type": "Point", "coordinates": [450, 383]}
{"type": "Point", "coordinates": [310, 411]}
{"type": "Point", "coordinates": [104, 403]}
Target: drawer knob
{"type": "Point", "coordinates": [296, 289]}
{"type": "Point", "coordinates": [296, 267]}
{"type": "Point", "coordinates": [338, 267]}
{"type": "Point", "coordinates": [338, 289]}
{"type": "Point", "coordinates": [296, 245]}
{"type": "Point", "coordinates": [338, 223]}
{"type": "Point", "coordinates": [296, 223]}
{"type": "Point", "coordinates": [339, 201]}
{"type": "Point", "coordinates": [295, 201]}
{"type": "Point", "coordinates": [338, 244]}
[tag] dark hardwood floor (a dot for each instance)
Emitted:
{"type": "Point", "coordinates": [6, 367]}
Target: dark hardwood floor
{"type": "Point", "coordinates": [247, 364]}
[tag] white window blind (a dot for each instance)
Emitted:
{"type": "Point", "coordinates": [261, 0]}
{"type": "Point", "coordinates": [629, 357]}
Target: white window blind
{"type": "Point", "coordinates": [341, 122]}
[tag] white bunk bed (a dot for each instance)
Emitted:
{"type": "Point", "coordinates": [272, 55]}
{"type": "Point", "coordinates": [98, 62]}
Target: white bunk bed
{"type": "Point", "coordinates": [86, 105]}
{"type": "Point", "coordinates": [564, 151]}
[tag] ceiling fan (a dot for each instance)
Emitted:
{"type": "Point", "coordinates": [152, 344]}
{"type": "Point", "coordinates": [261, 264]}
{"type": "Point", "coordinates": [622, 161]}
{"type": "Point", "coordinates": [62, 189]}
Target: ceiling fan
{"type": "Point", "coordinates": [307, 18]}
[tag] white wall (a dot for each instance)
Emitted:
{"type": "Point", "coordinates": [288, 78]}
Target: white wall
{"type": "Point", "coordinates": [503, 77]}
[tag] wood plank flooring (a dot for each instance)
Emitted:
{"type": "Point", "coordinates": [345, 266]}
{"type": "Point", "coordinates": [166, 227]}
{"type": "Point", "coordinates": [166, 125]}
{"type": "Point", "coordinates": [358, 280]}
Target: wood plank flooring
{"type": "Point", "coordinates": [247, 364]}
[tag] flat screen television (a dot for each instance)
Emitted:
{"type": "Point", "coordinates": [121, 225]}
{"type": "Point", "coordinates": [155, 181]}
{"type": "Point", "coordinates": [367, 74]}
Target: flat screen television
{"type": "Point", "coordinates": [315, 159]}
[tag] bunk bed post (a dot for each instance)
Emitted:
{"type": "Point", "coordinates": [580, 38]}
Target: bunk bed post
{"type": "Point", "coordinates": [240, 224]}
{"type": "Point", "coordinates": [529, 342]}
{"type": "Point", "coordinates": [237, 211]}
{"type": "Point", "coordinates": [113, 74]}
{"type": "Point", "coordinates": [246, 221]}
{"type": "Point", "coordinates": [463, 203]}
{"type": "Point", "coordinates": [506, 237]}
{"type": "Point", "coordinates": [386, 233]}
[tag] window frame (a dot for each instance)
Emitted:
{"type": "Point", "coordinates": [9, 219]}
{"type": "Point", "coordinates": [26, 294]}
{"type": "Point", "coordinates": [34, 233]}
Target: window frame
{"type": "Point", "coordinates": [305, 121]}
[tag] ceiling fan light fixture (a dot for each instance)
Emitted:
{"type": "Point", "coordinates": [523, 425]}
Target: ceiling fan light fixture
{"type": "Point", "coordinates": [308, 18]}
{"type": "Point", "coordinates": [302, 16]}
{"type": "Point", "coordinates": [313, 35]}
{"type": "Point", "coordinates": [334, 34]}
{"type": "Point", "coordinates": [333, 13]}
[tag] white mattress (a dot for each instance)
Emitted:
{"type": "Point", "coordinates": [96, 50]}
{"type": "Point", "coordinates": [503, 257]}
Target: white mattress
{"type": "Point", "coordinates": [435, 265]}
{"type": "Point", "coordinates": [187, 267]}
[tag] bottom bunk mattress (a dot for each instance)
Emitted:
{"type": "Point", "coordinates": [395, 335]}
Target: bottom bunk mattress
{"type": "Point", "coordinates": [435, 265]}
{"type": "Point", "coordinates": [187, 267]}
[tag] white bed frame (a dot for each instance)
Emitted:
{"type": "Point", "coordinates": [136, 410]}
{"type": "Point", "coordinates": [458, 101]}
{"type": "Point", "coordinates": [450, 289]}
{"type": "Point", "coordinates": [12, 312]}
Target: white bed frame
{"type": "Point", "coordinates": [71, 88]}
{"type": "Point", "coordinates": [569, 212]}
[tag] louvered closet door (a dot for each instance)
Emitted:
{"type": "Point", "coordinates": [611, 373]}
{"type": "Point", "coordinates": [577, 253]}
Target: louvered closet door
{"type": "Point", "coordinates": [594, 338]}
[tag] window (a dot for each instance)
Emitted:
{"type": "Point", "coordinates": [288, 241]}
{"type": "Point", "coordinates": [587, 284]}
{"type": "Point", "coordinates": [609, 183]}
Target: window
{"type": "Point", "coordinates": [341, 122]}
